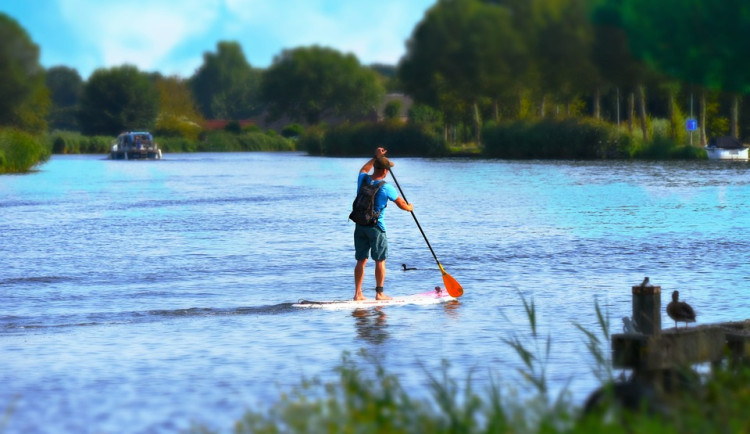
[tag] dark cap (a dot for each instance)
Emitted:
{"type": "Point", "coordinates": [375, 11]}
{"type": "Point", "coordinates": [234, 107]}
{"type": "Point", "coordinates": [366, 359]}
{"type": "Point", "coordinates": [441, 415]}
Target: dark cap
{"type": "Point", "coordinates": [382, 163]}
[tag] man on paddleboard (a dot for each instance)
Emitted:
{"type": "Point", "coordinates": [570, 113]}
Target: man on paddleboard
{"type": "Point", "coordinates": [371, 240]}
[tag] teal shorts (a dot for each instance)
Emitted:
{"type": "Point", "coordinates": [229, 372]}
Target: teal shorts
{"type": "Point", "coordinates": [370, 240]}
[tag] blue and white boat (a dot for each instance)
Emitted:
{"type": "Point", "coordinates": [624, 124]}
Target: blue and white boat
{"type": "Point", "coordinates": [135, 145]}
{"type": "Point", "coordinates": [726, 148]}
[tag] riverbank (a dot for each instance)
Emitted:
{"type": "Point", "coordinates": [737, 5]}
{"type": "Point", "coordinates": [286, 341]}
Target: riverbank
{"type": "Point", "coordinates": [67, 142]}
{"type": "Point", "coordinates": [568, 139]}
{"type": "Point", "coordinates": [541, 139]}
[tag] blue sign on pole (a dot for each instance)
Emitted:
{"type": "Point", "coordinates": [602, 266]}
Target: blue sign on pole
{"type": "Point", "coordinates": [691, 124]}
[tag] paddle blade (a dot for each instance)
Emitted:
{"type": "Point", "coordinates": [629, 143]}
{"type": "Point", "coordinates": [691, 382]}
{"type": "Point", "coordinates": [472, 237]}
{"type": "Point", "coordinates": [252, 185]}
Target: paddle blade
{"type": "Point", "coordinates": [451, 285]}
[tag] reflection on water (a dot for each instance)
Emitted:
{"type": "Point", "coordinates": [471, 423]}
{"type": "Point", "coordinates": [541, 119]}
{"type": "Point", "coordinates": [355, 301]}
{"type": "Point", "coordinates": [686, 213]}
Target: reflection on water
{"type": "Point", "coordinates": [371, 324]}
{"type": "Point", "coordinates": [451, 308]}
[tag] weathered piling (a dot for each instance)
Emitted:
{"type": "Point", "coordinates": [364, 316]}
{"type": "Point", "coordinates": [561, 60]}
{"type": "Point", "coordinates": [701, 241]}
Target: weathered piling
{"type": "Point", "coordinates": [738, 339]}
{"type": "Point", "coordinates": [652, 349]}
{"type": "Point", "coordinates": [647, 308]}
{"type": "Point", "coordinates": [673, 348]}
{"type": "Point", "coordinates": [661, 360]}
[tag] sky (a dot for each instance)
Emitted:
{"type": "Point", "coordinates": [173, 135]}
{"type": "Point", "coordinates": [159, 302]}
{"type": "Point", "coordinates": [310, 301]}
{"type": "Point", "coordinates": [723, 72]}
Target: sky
{"type": "Point", "coordinates": [171, 36]}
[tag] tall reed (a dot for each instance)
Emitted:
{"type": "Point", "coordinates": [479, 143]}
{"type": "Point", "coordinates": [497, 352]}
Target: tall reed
{"type": "Point", "coordinates": [71, 142]}
{"type": "Point", "coordinates": [20, 151]}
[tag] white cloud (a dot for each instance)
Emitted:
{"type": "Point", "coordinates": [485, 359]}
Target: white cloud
{"type": "Point", "coordinates": [375, 31]}
{"type": "Point", "coordinates": [141, 32]}
{"type": "Point", "coordinates": [170, 36]}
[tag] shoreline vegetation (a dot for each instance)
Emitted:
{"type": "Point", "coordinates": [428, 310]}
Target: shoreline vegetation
{"type": "Point", "coordinates": [365, 398]}
{"type": "Point", "coordinates": [583, 139]}
{"type": "Point", "coordinates": [20, 151]}
{"type": "Point", "coordinates": [66, 142]}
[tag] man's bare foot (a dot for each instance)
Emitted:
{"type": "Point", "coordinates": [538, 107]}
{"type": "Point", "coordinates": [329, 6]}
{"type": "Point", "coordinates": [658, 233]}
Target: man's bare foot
{"type": "Point", "coordinates": [359, 297]}
{"type": "Point", "coordinates": [381, 296]}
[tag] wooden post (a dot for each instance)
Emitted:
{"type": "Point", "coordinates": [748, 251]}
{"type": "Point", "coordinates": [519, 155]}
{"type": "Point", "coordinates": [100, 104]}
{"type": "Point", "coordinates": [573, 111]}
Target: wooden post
{"type": "Point", "coordinates": [647, 309]}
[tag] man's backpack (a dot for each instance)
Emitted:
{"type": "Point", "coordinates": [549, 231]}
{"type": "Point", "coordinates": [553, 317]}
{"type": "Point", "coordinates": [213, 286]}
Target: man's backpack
{"type": "Point", "coordinates": [363, 208]}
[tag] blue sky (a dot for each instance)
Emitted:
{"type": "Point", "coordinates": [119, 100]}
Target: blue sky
{"type": "Point", "coordinates": [170, 36]}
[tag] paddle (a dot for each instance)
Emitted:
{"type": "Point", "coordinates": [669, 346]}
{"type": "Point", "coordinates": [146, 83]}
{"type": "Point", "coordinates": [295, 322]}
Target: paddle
{"type": "Point", "coordinates": [451, 285]}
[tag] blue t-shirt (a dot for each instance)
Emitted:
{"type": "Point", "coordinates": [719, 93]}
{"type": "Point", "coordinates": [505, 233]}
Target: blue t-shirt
{"type": "Point", "coordinates": [387, 192]}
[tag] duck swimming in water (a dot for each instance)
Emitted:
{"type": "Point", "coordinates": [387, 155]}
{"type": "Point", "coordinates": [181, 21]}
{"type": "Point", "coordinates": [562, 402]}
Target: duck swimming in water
{"type": "Point", "coordinates": [405, 268]}
{"type": "Point", "coordinates": [680, 311]}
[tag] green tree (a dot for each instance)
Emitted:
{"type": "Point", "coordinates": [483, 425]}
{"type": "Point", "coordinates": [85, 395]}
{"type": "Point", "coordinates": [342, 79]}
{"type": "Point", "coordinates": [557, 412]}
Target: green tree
{"type": "Point", "coordinates": [24, 99]}
{"type": "Point", "coordinates": [614, 59]}
{"type": "Point", "coordinates": [562, 50]}
{"type": "Point", "coordinates": [118, 99]}
{"type": "Point", "coordinates": [65, 86]}
{"type": "Point", "coordinates": [698, 41]}
{"type": "Point", "coordinates": [392, 110]}
{"type": "Point", "coordinates": [308, 84]}
{"type": "Point", "coordinates": [461, 52]}
{"type": "Point", "coordinates": [292, 131]}
{"type": "Point", "coordinates": [525, 23]}
{"type": "Point", "coordinates": [610, 52]}
{"type": "Point", "coordinates": [226, 86]}
{"type": "Point", "coordinates": [389, 77]}
{"type": "Point", "coordinates": [178, 114]}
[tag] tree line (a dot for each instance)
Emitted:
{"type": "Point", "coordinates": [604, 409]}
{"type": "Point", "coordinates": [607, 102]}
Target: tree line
{"type": "Point", "coordinates": [618, 60]}
{"type": "Point", "coordinates": [470, 65]}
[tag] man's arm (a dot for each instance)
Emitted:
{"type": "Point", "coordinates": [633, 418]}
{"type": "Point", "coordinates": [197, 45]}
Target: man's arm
{"type": "Point", "coordinates": [401, 203]}
{"type": "Point", "coordinates": [367, 167]}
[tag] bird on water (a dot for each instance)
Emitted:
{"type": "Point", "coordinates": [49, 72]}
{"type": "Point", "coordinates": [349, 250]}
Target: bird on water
{"type": "Point", "coordinates": [680, 311]}
{"type": "Point", "coordinates": [406, 268]}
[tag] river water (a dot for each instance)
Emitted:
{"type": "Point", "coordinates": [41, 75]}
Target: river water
{"type": "Point", "coordinates": [151, 296]}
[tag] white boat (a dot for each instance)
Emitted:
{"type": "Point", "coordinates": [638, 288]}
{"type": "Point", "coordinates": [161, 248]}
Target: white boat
{"type": "Point", "coordinates": [726, 148]}
{"type": "Point", "coordinates": [135, 145]}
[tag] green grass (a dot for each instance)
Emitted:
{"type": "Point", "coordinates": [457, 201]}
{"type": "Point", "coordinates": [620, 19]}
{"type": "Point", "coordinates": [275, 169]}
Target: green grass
{"type": "Point", "coordinates": [20, 151]}
{"type": "Point", "coordinates": [71, 142]}
{"type": "Point", "coordinates": [361, 138]}
{"type": "Point", "coordinates": [465, 149]}
{"type": "Point", "coordinates": [580, 139]}
{"type": "Point", "coordinates": [224, 141]}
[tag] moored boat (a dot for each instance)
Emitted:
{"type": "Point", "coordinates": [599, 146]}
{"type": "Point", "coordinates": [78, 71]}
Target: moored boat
{"type": "Point", "coordinates": [135, 145]}
{"type": "Point", "coordinates": [726, 148]}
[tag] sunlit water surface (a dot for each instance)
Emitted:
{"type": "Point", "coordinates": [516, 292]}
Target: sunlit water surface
{"type": "Point", "coordinates": [150, 296]}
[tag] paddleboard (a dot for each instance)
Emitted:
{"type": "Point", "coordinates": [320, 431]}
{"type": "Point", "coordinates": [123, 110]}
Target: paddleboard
{"type": "Point", "coordinates": [431, 297]}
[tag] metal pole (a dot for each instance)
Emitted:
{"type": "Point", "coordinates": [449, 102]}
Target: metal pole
{"type": "Point", "coordinates": [691, 117]}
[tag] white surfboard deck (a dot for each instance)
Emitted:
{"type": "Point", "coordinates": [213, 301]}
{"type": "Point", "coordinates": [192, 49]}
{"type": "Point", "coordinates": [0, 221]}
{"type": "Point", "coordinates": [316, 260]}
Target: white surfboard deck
{"type": "Point", "coordinates": [431, 297]}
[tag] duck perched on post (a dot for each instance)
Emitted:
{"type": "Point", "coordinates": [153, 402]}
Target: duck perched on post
{"type": "Point", "coordinates": [680, 311]}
